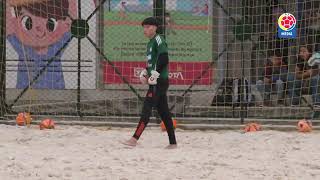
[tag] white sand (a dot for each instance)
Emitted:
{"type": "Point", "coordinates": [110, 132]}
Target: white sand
{"type": "Point", "coordinates": [82, 153]}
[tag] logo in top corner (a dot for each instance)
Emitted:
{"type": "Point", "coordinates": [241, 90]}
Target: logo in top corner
{"type": "Point", "coordinates": [287, 22]}
{"type": "Point", "coordinates": [287, 26]}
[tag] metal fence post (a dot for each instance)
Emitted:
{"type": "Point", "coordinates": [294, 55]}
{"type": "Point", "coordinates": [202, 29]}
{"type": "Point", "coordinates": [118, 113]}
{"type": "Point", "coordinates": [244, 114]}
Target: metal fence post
{"type": "Point", "coordinates": [2, 57]}
{"type": "Point", "coordinates": [159, 9]}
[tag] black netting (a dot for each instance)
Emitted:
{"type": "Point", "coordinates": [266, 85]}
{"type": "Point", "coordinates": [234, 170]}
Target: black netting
{"type": "Point", "coordinates": [227, 60]}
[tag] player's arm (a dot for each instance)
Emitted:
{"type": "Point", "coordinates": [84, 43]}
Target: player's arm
{"type": "Point", "coordinates": [163, 61]}
{"type": "Point", "coordinates": [163, 57]}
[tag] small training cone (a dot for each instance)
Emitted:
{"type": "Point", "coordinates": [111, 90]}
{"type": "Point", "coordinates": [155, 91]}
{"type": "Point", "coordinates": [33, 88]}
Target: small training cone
{"type": "Point", "coordinates": [163, 127]}
{"type": "Point", "coordinates": [47, 124]}
{"type": "Point", "coordinates": [23, 118]}
{"type": "Point", "coordinates": [252, 127]}
{"type": "Point", "coordinates": [304, 126]}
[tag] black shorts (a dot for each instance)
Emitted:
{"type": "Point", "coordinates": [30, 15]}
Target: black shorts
{"type": "Point", "coordinates": [160, 89]}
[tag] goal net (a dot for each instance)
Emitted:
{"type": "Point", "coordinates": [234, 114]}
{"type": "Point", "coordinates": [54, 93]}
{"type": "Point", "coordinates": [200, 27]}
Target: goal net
{"type": "Point", "coordinates": [228, 59]}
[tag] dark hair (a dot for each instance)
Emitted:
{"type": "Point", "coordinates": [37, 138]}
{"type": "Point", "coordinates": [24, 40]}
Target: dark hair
{"type": "Point", "coordinates": [57, 9]}
{"type": "Point", "coordinates": [150, 21]}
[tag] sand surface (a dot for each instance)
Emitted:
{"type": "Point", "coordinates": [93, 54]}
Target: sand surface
{"type": "Point", "coordinates": [84, 153]}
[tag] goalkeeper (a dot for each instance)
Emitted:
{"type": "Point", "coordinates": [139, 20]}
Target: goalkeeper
{"type": "Point", "coordinates": [156, 75]}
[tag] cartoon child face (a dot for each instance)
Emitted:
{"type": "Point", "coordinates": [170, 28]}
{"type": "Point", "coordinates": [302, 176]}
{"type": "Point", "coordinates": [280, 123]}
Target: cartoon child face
{"type": "Point", "coordinates": [40, 32]}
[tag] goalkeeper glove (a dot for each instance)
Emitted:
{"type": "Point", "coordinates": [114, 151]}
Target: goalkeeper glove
{"type": "Point", "coordinates": [153, 78]}
{"type": "Point", "coordinates": [144, 76]}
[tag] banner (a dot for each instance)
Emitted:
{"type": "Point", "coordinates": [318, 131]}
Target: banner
{"type": "Point", "coordinates": [180, 73]}
{"type": "Point", "coordinates": [37, 31]}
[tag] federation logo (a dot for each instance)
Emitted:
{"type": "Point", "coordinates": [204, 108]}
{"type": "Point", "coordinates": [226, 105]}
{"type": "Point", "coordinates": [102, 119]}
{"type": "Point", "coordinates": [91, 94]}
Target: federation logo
{"type": "Point", "coordinates": [287, 22]}
{"type": "Point", "coordinates": [287, 26]}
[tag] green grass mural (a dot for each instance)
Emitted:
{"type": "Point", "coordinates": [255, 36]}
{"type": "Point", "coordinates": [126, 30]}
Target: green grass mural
{"type": "Point", "coordinates": [190, 41]}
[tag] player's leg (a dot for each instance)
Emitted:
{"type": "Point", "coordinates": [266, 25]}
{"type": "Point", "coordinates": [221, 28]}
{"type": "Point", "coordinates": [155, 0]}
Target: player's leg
{"type": "Point", "coordinates": [144, 117]}
{"type": "Point", "coordinates": [165, 115]}
{"type": "Point", "coordinates": [144, 120]}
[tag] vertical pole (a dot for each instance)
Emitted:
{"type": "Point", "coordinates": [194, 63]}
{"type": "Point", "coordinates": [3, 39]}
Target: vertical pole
{"type": "Point", "coordinates": [159, 13]}
{"type": "Point", "coordinates": [79, 67]}
{"type": "Point", "coordinates": [2, 57]}
{"type": "Point", "coordinates": [100, 28]}
{"type": "Point", "coordinates": [222, 70]}
{"type": "Point", "coordinates": [109, 5]}
{"type": "Point", "coordinates": [159, 8]}
{"type": "Point", "coordinates": [242, 83]}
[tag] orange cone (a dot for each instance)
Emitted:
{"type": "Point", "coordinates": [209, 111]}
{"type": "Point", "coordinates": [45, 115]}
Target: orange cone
{"type": "Point", "coordinates": [252, 127]}
{"type": "Point", "coordinates": [23, 118]}
{"type": "Point", "coordinates": [163, 127]}
{"type": "Point", "coordinates": [304, 126]}
{"type": "Point", "coordinates": [47, 124]}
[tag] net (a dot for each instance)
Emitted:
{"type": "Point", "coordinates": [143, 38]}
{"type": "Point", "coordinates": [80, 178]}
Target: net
{"type": "Point", "coordinates": [228, 59]}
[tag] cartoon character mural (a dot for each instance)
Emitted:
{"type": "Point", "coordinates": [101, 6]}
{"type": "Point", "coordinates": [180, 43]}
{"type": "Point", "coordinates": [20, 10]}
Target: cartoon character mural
{"type": "Point", "coordinates": [37, 31]}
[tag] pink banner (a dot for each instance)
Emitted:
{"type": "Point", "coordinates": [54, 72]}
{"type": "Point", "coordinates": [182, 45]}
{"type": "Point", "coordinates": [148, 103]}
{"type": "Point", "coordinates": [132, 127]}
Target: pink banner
{"type": "Point", "coordinates": [180, 73]}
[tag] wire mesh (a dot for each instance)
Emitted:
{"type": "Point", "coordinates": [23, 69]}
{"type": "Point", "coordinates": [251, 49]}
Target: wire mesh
{"type": "Point", "coordinates": [83, 58]}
